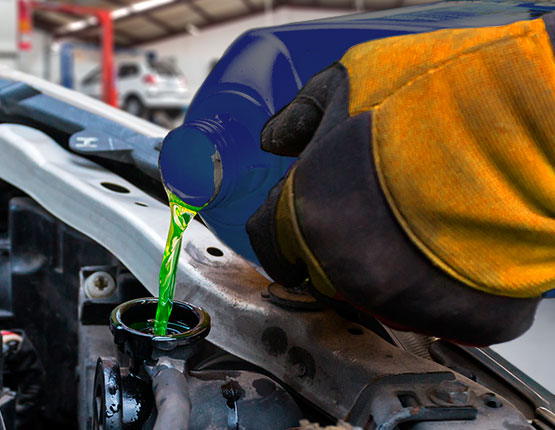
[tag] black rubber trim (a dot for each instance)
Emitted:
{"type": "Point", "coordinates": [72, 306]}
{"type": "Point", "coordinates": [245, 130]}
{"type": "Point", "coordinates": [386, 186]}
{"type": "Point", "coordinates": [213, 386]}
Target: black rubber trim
{"type": "Point", "coordinates": [261, 228]}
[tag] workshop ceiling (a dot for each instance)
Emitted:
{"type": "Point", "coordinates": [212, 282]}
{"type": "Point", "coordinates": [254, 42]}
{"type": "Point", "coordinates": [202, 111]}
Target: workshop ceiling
{"type": "Point", "coordinates": [142, 21]}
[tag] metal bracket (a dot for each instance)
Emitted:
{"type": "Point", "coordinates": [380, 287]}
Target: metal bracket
{"type": "Point", "coordinates": [395, 399]}
{"type": "Point", "coordinates": [317, 353]}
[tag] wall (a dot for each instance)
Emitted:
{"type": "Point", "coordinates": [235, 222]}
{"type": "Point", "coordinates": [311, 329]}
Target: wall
{"type": "Point", "coordinates": [194, 54]}
{"type": "Point", "coordinates": [8, 27]}
{"type": "Point", "coordinates": [8, 32]}
{"type": "Point", "coordinates": [38, 61]}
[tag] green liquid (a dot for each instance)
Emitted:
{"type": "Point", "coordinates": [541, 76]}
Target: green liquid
{"type": "Point", "coordinates": [181, 216]}
{"type": "Point", "coordinates": [148, 327]}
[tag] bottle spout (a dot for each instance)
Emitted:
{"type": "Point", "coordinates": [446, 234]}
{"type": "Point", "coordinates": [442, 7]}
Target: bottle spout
{"type": "Point", "coordinates": [191, 166]}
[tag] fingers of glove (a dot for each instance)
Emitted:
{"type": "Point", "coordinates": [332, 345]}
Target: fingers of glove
{"type": "Point", "coordinates": [290, 130]}
{"type": "Point", "coordinates": [288, 133]}
{"type": "Point", "coordinates": [261, 228]}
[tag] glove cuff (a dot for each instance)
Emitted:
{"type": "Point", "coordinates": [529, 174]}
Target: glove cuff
{"type": "Point", "coordinates": [261, 228]}
{"type": "Point", "coordinates": [291, 241]}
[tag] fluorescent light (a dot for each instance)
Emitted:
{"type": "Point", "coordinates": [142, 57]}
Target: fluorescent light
{"type": "Point", "coordinates": [78, 25]}
{"type": "Point", "coordinates": [75, 26]}
{"type": "Point", "coordinates": [149, 4]}
{"type": "Point", "coordinates": [120, 13]}
{"type": "Point", "coordinates": [116, 14]}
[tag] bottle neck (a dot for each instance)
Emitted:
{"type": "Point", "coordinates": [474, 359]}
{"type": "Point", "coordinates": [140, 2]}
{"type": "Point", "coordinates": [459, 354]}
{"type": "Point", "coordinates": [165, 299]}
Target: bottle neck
{"type": "Point", "coordinates": [198, 161]}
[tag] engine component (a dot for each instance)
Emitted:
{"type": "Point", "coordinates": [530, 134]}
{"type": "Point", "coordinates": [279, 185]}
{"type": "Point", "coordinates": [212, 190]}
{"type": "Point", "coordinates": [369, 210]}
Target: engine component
{"type": "Point", "coordinates": [131, 324]}
{"type": "Point", "coordinates": [12, 342]}
{"type": "Point", "coordinates": [39, 278]}
{"type": "Point", "coordinates": [25, 375]}
{"type": "Point", "coordinates": [488, 368]}
{"type": "Point", "coordinates": [123, 398]}
{"type": "Point", "coordinates": [397, 399]}
{"type": "Point", "coordinates": [221, 400]}
{"type": "Point", "coordinates": [341, 425]}
{"type": "Point", "coordinates": [171, 394]}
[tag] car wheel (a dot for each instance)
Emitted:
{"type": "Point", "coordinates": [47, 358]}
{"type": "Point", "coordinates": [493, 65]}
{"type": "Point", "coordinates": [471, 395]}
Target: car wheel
{"type": "Point", "coordinates": [174, 113]}
{"type": "Point", "coordinates": [134, 106]}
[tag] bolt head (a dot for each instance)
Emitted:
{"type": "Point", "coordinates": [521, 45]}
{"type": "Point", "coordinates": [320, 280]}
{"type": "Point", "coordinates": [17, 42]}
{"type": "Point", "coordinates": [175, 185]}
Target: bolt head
{"type": "Point", "coordinates": [99, 285]}
{"type": "Point", "coordinates": [453, 392]}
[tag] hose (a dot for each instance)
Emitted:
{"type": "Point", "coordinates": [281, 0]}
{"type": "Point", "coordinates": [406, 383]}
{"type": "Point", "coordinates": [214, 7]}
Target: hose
{"type": "Point", "coordinates": [171, 394]}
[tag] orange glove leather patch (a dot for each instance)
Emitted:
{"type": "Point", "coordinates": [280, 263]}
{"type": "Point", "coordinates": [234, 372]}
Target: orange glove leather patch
{"type": "Point", "coordinates": [464, 143]}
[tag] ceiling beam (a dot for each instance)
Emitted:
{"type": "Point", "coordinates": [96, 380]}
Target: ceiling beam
{"type": "Point", "coordinates": [276, 4]}
{"type": "Point", "coordinates": [130, 37]}
{"type": "Point", "coordinates": [313, 3]}
{"type": "Point", "coordinates": [339, 5]}
{"type": "Point", "coordinates": [73, 15]}
{"type": "Point", "coordinates": [149, 17]}
{"type": "Point", "coordinates": [118, 2]}
{"type": "Point", "coordinates": [78, 33]}
{"type": "Point", "coordinates": [93, 33]}
{"type": "Point", "coordinates": [208, 18]}
{"type": "Point", "coordinates": [159, 23]}
{"type": "Point", "coordinates": [251, 6]}
{"type": "Point", "coordinates": [200, 11]}
{"type": "Point", "coordinates": [120, 41]}
{"type": "Point", "coordinates": [204, 26]}
{"type": "Point", "coordinates": [42, 23]}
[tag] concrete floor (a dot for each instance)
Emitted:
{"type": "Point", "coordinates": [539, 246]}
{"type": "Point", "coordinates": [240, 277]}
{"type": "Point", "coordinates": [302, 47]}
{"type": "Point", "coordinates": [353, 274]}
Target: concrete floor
{"type": "Point", "coordinates": [534, 351]}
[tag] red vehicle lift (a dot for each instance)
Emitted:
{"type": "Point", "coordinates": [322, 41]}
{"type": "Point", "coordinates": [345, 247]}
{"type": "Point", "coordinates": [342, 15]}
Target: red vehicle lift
{"type": "Point", "coordinates": [104, 18]}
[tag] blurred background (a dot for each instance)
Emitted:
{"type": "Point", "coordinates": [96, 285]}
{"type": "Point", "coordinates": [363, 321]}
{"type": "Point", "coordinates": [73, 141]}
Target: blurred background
{"type": "Point", "coordinates": [161, 49]}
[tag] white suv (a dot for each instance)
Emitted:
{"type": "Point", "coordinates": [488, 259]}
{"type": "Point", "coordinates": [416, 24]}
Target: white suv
{"type": "Point", "coordinates": [144, 87]}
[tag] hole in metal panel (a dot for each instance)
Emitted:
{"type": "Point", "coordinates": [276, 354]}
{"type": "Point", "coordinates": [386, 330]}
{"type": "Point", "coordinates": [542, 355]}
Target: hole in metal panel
{"type": "Point", "coordinates": [216, 252]}
{"type": "Point", "coordinates": [115, 187]}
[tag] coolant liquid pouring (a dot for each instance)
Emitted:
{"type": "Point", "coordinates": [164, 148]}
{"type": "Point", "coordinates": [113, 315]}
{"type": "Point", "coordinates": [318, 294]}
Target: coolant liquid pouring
{"type": "Point", "coordinates": [181, 215]}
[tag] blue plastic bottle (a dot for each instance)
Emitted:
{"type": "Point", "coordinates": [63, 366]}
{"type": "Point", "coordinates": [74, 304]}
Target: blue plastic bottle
{"type": "Point", "coordinates": [214, 158]}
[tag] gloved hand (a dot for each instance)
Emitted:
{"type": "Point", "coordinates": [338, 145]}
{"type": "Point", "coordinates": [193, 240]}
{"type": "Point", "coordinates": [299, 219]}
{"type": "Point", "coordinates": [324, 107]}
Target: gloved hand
{"type": "Point", "coordinates": [424, 193]}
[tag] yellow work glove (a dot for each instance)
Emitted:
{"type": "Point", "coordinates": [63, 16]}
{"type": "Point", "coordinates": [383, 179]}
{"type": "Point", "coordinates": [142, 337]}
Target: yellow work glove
{"type": "Point", "coordinates": [425, 189]}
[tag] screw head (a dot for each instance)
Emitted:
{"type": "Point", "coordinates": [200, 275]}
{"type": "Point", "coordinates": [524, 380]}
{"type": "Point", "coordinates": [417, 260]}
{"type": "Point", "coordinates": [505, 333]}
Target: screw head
{"type": "Point", "coordinates": [99, 285]}
{"type": "Point", "coordinates": [491, 400]}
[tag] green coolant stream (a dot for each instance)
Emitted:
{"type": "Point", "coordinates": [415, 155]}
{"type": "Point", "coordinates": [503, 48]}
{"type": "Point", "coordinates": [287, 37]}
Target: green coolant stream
{"type": "Point", "coordinates": [181, 216]}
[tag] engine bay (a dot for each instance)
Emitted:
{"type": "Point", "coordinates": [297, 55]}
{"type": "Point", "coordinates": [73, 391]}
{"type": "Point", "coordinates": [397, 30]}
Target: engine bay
{"type": "Point", "coordinates": [82, 234]}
